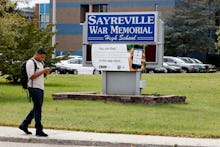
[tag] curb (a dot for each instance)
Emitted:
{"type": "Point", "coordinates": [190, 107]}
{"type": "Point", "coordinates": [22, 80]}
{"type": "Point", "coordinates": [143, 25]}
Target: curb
{"type": "Point", "coordinates": [64, 137]}
{"type": "Point", "coordinates": [82, 142]}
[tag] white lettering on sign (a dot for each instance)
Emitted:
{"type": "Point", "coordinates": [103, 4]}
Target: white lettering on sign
{"type": "Point", "coordinates": [131, 30]}
{"type": "Point", "coordinates": [120, 30]}
{"type": "Point", "coordinates": [109, 27]}
{"type": "Point", "coordinates": [98, 30]}
{"type": "Point", "coordinates": [92, 20]}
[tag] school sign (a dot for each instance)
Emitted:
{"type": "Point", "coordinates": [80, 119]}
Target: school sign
{"type": "Point", "coordinates": [121, 27]}
{"type": "Point", "coordinates": [117, 42]}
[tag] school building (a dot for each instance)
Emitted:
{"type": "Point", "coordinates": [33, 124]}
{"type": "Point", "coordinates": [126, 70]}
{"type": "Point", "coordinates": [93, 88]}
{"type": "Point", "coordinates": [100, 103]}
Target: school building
{"type": "Point", "coordinates": [70, 15]}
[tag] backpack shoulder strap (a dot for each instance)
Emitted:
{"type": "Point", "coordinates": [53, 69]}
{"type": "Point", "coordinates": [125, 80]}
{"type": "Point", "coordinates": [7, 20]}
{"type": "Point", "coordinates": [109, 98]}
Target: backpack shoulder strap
{"type": "Point", "coordinates": [35, 65]}
{"type": "Point", "coordinates": [35, 68]}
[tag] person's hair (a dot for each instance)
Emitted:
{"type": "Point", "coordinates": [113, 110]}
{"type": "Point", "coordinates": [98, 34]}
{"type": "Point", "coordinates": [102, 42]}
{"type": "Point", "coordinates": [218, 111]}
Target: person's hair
{"type": "Point", "coordinates": [41, 51]}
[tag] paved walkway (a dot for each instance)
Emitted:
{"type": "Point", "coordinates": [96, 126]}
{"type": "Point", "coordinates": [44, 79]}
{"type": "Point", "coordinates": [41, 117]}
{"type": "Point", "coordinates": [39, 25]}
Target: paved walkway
{"type": "Point", "coordinates": [13, 134]}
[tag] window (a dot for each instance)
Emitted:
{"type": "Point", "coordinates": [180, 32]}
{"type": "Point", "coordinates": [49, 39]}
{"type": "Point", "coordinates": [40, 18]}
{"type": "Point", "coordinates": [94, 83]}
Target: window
{"type": "Point", "coordinates": [83, 10]}
{"type": "Point", "coordinates": [100, 8]}
{"type": "Point", "coordinates": [47, 18]}
{"type": "Point", "coordinates": [43, 25]}
{"type": "Point", "coordinates": [91, 8]}
{"type": "Point", "coordinates": [44, 15]}
{"type": "Point", "coordinates": [170, 60]}
{"type": "Point", "coordinates": [44, 20]}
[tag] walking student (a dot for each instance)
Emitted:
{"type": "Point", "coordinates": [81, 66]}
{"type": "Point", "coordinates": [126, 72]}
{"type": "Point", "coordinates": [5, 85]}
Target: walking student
{"type": "Point", "coordinates": [36, 91]}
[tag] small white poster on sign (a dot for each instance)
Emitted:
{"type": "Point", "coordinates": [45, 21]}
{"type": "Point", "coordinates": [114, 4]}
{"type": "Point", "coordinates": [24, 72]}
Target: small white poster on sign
{"type": "Point", "coordinates": [118, 57]}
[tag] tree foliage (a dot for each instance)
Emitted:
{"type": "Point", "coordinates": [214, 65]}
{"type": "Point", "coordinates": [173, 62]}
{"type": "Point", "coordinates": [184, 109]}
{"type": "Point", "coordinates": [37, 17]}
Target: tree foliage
{"type": "Point", "coordinates": [19, 39]}
{"type": "Point", "coordinates": [191, 28]}
{"type": "Point", "coordinates": [218, 41]}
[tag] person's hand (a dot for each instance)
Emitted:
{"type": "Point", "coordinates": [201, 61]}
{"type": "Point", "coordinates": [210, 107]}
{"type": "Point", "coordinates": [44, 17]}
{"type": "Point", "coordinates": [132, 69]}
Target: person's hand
{"type": "Point", "coordinates": [47, 70]}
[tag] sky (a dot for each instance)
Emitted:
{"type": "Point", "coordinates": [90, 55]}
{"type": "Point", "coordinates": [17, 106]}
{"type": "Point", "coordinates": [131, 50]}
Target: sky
{"type": "Point", "coordinates": [32, 3]}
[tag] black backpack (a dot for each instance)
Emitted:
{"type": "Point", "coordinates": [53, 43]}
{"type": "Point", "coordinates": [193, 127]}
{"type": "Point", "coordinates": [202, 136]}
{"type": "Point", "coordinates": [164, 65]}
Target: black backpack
{"type": "Point", "coordinates": [24, 76]}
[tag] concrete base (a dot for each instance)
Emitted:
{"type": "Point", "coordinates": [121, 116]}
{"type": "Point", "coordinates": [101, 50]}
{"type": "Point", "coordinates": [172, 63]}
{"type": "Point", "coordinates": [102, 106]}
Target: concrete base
{"type": "Point", "coordinates": [143, 99]}
{"type": "Point", "coordinates": [121, 83]}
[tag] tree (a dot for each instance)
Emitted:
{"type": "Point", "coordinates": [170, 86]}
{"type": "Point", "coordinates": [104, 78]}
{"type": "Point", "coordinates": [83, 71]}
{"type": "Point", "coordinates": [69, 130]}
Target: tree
{"type": "Point", "coordinates": [19, 38]}
{"type": "Point", "coordinates": [218, 41]}
{"type": "Point", "coordinates": [191, 27]}
{"type": "Point", "coordinates": [7, 7]}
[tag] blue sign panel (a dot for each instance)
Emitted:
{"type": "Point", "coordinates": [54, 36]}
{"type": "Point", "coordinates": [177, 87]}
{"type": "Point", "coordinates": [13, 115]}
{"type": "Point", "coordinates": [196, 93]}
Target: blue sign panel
{"type": "Point", "coordinates": [121, 27]}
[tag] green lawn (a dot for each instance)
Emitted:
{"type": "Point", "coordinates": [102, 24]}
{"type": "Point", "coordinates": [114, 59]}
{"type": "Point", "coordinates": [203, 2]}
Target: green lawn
{"type": "Point", "coordinates": [199, 117]}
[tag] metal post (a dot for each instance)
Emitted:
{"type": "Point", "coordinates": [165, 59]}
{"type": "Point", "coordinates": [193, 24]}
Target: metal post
{"type": "Point", "coordinates": [155, 6]}
{"type": "Point", "coordinates": [54, 27]}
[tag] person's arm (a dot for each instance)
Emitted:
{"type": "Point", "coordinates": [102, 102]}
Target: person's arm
{"type": "Point", "coordinates": [45, 71]}
{"type": "Point", "coordinates": [32, 73]}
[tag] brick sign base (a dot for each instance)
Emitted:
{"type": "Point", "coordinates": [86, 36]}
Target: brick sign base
{"type": "Point", "coordinates": [143, 99]}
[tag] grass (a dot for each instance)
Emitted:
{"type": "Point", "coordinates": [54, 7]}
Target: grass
{"type": "Point", "coordinates": [199, 117]}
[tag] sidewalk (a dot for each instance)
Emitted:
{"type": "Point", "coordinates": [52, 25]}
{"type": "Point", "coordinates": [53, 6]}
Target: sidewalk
{"type": "Point", "coordinates": [13, 134]}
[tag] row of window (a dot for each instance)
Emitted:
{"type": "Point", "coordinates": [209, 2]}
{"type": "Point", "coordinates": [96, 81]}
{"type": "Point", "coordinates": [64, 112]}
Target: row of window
{"type": "Point", "coordinates": [91, 8]}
